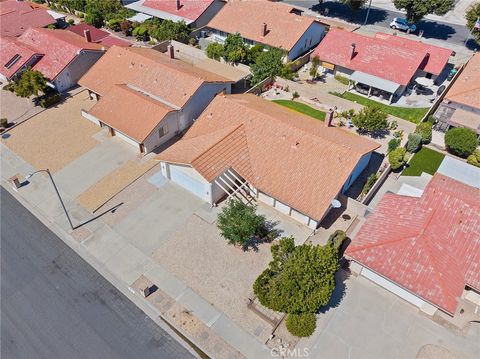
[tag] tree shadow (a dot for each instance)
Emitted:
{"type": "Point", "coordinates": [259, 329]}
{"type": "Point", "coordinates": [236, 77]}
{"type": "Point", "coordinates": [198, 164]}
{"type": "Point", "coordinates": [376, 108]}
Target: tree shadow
{"type": "Point", "coordinates": [435, 30]}
{"type": "Point", "coordinates": [342, 11]}
{"type": "Point", "coordinates": [267, 234]}
{"type": "Point", "coordinates": [338, 293]}
{"type": "Point", "coordinates": [471, 44]}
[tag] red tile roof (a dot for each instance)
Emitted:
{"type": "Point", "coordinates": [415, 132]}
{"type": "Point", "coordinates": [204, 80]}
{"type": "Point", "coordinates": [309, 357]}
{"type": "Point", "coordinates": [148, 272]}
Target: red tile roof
{"type": "Point", "coordinates": [373, 56]}
{"type": "Point", "coordinates": [99, 36]}
{"type": "Point", "coordinates": [289, 156]}
{"type": "Point", "coordinates": [18, 16]}
{"type": "Point", "coordinates": [436, 57]}
{"type": "Point", "coordinates": [284, 28]}
{"type": "Point", "coordinates": [466, 88]}
{"type": "Point", "coordinates": [59, 47]}
{"type": "Point", "coordinates": [428, 245]}
{"type": "Point", "coordinates": [189, 9]}
{"type": "Point", "coordinates": [10, 48]}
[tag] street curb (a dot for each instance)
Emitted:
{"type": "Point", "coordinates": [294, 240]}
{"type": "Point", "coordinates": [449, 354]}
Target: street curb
{"type": "Point", "coordinates": [76, 246]}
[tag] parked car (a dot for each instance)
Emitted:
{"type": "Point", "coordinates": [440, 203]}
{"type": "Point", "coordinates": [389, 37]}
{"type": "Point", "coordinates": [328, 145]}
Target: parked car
{"type": "Point", "coordinates": [402, 24]}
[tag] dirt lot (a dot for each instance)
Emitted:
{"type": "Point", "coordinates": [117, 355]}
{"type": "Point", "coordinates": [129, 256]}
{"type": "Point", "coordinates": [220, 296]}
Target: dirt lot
{"type": "Point", "coordinates": [54, 137]}
{"type": "Point", "coordinates": [220, 273]}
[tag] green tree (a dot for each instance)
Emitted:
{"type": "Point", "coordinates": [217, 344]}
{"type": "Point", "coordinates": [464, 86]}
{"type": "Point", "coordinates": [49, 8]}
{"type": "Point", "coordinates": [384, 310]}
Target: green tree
{"type": "Point", "coordinates": [414, 142]}
{"type": "Point", "coordinates": [461, 141]}
{"type": "Point", "coordinates": [370, 119]}
{"type": "Point", "coordinates": [255, 51]}
{"type": "Point", "coordinates": [314, 67]}
{"type": "Point", "coordinates": [299, 279]}
{"type": "Point", "coordinates": [239, 223]}
{"type": "Point", "coordinates": [472, 15]}
{"type": "Point", "coordinates": [393, 144]}
{"type": "Point", "coordinates": [354, 5]}
{"type": "Point", "coordinates": [214, 51]}
{"type": "Point", "coordinates": [234, 49]}
{"type": "Point", "coordinates": [270, 64]}
{"type": "Point", "coordinates": [474, 158]}
{"type": "Point", "coordinates": [31, 83]}
{"type": "Point", "coordinates": [424, 129]}
{"type": "Point", "coordinates": [417, 9]}
{"type": "Point", "coordinates": [301, 325]}
{"type": "Point", "coordinates": [170, 30]}
{"type": "Point", "coordinates": [396, 158]}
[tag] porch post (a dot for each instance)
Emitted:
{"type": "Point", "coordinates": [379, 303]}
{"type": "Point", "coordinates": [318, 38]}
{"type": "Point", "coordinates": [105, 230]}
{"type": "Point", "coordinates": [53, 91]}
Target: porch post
{"type": "Point", "coordinates": [369, 91]}
{"type": "Point", "coordinates": [391, 98]}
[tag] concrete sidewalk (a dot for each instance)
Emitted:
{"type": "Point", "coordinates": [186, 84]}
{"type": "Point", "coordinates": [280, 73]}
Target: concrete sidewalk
{"type": "Point", "coordinates": [121, 263]}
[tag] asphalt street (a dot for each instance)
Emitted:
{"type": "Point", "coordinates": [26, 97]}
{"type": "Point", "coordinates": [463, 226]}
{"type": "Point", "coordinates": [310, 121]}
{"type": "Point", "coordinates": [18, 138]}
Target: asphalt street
{"type": "Point", "coordinates": [55, 305]}
{"type": "Point", "coordinates": [456, 34]}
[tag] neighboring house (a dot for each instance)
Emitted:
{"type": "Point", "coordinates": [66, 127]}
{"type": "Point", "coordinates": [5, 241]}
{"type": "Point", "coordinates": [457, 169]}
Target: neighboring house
{"type": "Point", "coordinates": [146, 97]}
{"type": "Point", "coordinates": [245, 146]}
{"type": "Point", "coordinates": [61, 56]}
{"type": "Point", "coordinates": [268, 23]}
{"type": "Point", "coordinates": [195, 13]}
{"type": "Point", "coordinates": [98, 36]}
{"type": "Point", "coordinates": [17, 16]}
{"type": "Point", "coordinates": [425, 247]}
{"type": "Point", "coordinates": [386, 64]}
{"type": "Point", "coordinates": [461, 104]}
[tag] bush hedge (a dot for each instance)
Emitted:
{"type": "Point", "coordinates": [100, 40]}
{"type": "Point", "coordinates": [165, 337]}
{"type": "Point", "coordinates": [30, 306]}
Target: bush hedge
{"type": "Point", "coordinates": [393, 144]}
{"type": "Point", "coordinates": [461, 141]}
{"type": "Point", "coordinates": [424, 129]}
{"type": "Point", "coordinates": [474, 158]}
{"type": "Point", "coordinates": [396, 158]}
{"type": "Point", "coordinates": [301, 325]}
{"type": "Point", "coordinates": [414, 142]}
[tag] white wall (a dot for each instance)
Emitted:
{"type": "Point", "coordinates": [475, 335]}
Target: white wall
{"type": "Point", "coordinates": [76, 69]}
{"type": "Point", "coordinates": [90, 117]}
{"type": "Point", "coordinates": [154, 140]}
{"type": "Point", "coordinates": [199, 101]}
{"type": "Point", "coordinates": [309, 39]}
{"type": "Point", "coordinates": [186, 170]}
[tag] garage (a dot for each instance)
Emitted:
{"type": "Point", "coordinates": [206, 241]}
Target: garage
{"type": "Point", "coordinates": [184, 176]}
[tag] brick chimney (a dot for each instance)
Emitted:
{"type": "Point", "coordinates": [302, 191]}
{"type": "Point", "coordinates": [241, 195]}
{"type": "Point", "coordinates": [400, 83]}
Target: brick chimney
{"type": "Point", "coordinates": [264, 29]}
{"type": "Point", "coordinates": [178, 4]}
{"type": "Point", "coordinates": [329, 119]}
{"type": "Point", "coordinates": [352, 46]}
{"type": "Point", "coordinates": [87, 35]}
{"type": "Point", "coordinates": [171, 51]}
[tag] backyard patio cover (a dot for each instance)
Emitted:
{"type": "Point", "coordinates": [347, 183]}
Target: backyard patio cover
{"type": "Point", "coordinates": [374, 81]}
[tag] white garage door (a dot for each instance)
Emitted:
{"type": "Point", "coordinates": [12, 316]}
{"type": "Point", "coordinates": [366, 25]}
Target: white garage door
{"type": "Point", "coordinates": [187, 182]}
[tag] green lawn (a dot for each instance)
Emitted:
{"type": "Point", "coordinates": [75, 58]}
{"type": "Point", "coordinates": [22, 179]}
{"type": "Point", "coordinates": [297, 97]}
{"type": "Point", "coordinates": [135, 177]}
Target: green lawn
{"type": "Point", "coordinates": [302, 108]}
{"type": "Point", "coordinates": [410, 114]}
{"type": "Point", "coordinates": [425, 160]}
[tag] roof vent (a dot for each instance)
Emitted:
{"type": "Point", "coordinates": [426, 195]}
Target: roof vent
{"type": "Point", "coordinates": [295, 146]}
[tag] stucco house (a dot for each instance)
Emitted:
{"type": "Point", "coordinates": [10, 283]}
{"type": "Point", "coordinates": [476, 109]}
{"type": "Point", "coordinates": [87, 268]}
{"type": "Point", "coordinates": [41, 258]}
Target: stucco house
{"type": "Point", "coordinates": [147, 97]}
{"type": "Point", "coordinates": [98, 36]}
{"type": "Point", "coordinates": [60, 55]}
{"type": "Point", "coordinates": [424, 245]}
{"type": "Point", "coordinates": [268, 23]}
{"type": "Point", "coordinates": [247, 146]}
{"type": "Point", "coordinates": [195, 13]}
{"type": "Point", "coordinates": [461, 104]}
{"type": "Point", "coordinates": [385, 63]}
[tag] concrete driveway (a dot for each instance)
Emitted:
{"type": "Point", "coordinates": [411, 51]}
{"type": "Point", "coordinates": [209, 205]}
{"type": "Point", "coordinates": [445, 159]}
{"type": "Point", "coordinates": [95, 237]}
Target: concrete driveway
{"type": "Point", "coordinates": [370, 322]}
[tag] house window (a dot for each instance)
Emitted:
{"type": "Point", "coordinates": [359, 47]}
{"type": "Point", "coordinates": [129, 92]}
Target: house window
{"type": "Point", "coordinates": [13, 61]}
{"type": "Point", "coordinates": [162, 131]}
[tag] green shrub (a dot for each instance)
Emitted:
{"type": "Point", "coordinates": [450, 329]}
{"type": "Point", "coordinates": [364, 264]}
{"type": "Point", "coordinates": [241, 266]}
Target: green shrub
{"type": "Point", "coordinates": [398, 134]}
{"type": "Point", "coordinates": [49, 99]}
{"type": "Point", "coordinates": [396, 158]}
{"type": "Point", "coordinates": [9, 87]}
{"type": "Point", "coordinates": [295, 95]}
{"type": "Point", "coordinates": [414, 142]}
{"type": "Point", "coordinates": [301, 325]}
{"type": "Point", "coordinates": [342, 79]}
{"type": "Point", "coordinates": [393, 144]}
{"type": "Point", "coordinates": [337, 238]}
{"type": "Point", "coordinates": [214, 51]}
{"type": "Point", "coordinates": [140, 33]}
{"type": "Point", "coordinates": [461, 141]}
{"type": "Point", "coordinates": [474, 158]}
{"type": "Point", "coordinates": [51, 26]}
{"type": "Point", "coordinates": [370, 182]}
{"type": "Point", "coordinates": [114, 24]}
{"type": "Point", "coordinates": [393, 125]}
{"type": "Point", "coordinates": [3, 122]}
{"type": "Point", "coordinates": [71, 22]}
{"type": "Point", "coordinates": [81, 15]}
{"type": "Point", "coordinates": [424, 129]}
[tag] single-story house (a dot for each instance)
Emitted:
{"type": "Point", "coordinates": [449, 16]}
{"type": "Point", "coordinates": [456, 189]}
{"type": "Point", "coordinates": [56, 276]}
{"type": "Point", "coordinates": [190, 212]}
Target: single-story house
{"type": "Point", "coordinates": [386, 64]}
{"type": "Point", "coordinates": [60, 55]}
{"type": "Point", "coordinates": [98, 36]}
{"type": "Point", "coordinates": [17, 16]}
{"type": "Point", "coordinates": [461, 104]}
{"type": "Point", "coordinates": [245, 146]}
{"type": "Point", "coordinates": [268, 23]}
{"type": "Point", "coordinates": [195, 13]}
{"type": "Point", "coordinates": [147, 97]}
{"type": "Point", "coordinates": [425, 247]}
